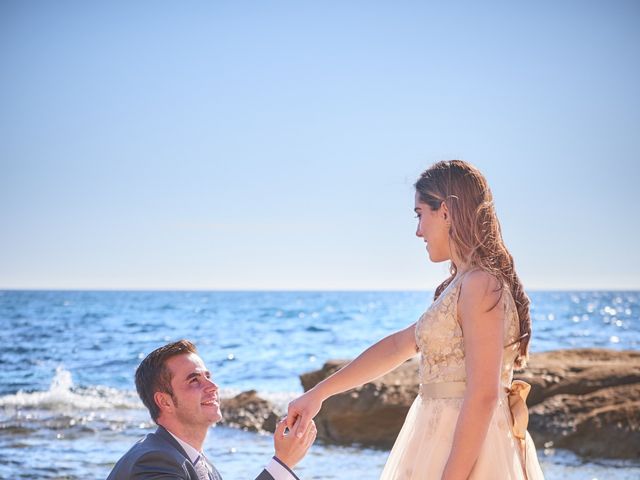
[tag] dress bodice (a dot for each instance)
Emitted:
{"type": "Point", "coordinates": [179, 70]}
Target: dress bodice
{"type": "Point", "coordinates": [440, 338]}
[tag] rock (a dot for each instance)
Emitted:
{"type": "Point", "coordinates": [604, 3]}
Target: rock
{"type": "Point", "coordinates": [600, 424]}
{"type": "Point", "coordinates": [579, 371]}
{"type": "Point", "coordinates": [584, 400]}
{"type": "Point", "coordinates": [370, 415]}
{"type": "Point", "coordinates": [249, 412]}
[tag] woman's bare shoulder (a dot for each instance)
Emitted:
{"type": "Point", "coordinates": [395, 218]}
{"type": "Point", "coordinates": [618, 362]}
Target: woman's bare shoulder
{"type": "Point", "coordinates": [480, 287]}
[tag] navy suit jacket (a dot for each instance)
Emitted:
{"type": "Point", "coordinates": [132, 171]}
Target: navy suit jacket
{"type": "Point", "coordinates": [158, 456]}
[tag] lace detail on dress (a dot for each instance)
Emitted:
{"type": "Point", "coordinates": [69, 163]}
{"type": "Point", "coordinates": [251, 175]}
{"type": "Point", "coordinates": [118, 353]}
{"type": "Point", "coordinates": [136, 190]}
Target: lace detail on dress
{"type": "Point", "coordinates": [427, 436]}
{"type": "Point", "coordinates": [440, 340]}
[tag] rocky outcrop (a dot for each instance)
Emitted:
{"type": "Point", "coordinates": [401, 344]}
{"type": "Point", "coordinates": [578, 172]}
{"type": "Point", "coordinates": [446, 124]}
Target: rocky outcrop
{"type": "Point", "coordinates": [584, 400]}
{"type": "Point", "coordinates": [370, 415]}
{"type": "Point", "coordinates": [249, 412]}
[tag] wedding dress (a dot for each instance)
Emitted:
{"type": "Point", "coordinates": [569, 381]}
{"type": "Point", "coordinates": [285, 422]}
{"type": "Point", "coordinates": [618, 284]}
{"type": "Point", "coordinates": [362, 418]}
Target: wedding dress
{"type": "Point", "coordinates": [424, 443]}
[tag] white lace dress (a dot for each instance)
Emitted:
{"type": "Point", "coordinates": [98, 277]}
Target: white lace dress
{"type": "Point", "coordinates": [424, 443]}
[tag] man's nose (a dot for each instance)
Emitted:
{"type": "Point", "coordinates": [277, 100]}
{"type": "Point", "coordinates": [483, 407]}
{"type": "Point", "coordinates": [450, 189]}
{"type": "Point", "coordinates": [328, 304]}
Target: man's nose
{"type": "Point", "coordinates": [212, 385]}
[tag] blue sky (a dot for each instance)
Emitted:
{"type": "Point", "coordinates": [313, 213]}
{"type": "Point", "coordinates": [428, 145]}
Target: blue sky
{"type": "Point", "coordinates": [273, 145]}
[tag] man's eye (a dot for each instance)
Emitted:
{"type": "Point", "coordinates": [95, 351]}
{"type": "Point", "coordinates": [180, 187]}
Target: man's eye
{"type": "Point", "coordinates": [194, 380]}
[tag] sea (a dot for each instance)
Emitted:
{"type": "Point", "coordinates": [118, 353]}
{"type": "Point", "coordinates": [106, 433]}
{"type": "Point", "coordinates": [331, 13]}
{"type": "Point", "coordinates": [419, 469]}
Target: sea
{"type": "Point", "coordinates": [68, 407]}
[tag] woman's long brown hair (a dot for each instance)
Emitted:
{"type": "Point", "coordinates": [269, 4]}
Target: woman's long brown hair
{"type": "Point", "coordinates": [475, 232]}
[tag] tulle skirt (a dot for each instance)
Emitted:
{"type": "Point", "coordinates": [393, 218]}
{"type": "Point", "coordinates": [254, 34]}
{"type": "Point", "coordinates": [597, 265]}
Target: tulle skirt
{"type": "Point", "coordinates": [423, 445]}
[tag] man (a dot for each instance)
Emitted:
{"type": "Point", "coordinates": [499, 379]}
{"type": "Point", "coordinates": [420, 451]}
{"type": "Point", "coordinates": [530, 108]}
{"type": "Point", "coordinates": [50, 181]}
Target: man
{"type": "Point", "coordinates": [177, 388]}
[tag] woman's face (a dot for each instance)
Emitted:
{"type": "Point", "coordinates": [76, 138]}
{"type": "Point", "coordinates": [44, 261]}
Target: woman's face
{"type": "Point", "coordinates": [433, 229]}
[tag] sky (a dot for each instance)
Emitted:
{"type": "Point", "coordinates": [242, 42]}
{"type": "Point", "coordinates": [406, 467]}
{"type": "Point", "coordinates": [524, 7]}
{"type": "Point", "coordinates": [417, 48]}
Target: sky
{"type": "Point", "coordinates": [274, 145]}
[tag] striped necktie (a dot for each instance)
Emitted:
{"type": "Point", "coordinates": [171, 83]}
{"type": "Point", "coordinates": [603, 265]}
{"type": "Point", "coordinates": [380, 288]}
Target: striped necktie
{"type": "Point", "coordinates": [201, 468]}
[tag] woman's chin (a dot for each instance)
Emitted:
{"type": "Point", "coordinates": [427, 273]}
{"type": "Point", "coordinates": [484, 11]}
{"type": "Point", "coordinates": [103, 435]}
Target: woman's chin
{"type": "Point", "coordinates": [437, 259]}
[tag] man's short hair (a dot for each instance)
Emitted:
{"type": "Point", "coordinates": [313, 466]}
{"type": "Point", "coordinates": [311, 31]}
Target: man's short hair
{"type": "Point", "coordinates": [153, 375]}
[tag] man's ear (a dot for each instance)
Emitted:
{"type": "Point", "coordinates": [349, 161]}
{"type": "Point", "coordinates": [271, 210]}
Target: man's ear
{"type": "Point", "coordinates": [164, 402]}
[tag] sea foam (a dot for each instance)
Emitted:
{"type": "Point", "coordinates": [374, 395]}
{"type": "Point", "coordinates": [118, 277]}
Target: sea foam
{"type": "Point", "coordinates": [62, 395]}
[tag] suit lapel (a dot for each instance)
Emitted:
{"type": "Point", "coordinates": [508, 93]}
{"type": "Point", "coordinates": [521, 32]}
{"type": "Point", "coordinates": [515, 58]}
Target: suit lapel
{"type": "Point", "coordinates": [165, 435]}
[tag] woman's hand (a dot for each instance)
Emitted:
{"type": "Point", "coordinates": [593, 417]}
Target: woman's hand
{"type": "Point", "coordinates": [302, 410]}
{"type": "Point", "coordinates": [374, 362]}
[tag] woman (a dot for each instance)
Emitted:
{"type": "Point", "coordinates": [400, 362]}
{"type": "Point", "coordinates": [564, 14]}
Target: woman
{"type": "Point", "coordinates": [469, 419]}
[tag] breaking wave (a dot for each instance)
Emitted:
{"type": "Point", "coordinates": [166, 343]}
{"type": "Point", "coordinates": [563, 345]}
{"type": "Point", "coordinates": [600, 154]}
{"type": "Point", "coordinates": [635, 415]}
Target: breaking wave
{"type": "Point", "coordinates": [62, 395]}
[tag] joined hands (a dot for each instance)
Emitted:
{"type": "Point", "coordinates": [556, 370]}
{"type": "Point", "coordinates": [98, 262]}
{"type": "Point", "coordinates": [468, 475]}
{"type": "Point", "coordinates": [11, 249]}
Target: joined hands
{"type": "Point", "coordinates": [302, 410]}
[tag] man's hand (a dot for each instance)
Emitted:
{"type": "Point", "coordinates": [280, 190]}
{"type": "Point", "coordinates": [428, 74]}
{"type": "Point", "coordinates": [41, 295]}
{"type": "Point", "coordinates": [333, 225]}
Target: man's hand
{"type": "Point", "coordinates": [290, 449]}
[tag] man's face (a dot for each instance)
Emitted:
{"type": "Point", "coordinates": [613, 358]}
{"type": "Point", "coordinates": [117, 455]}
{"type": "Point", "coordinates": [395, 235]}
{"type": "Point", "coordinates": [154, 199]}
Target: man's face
{"type": "Point", "coordinates": [196, 396]}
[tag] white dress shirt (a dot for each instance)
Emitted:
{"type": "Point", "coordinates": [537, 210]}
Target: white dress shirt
{"type": "Point", "coordinates": [275, 467]}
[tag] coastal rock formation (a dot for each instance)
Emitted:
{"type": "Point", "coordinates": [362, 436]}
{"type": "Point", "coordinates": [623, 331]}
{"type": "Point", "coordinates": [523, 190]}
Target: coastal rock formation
{"type": "Point", "coordinates": [584, 400]}
{"type": "Point", "coordinates": [371, 415]}
{"type": "Point", "coordinates": [249, 411]}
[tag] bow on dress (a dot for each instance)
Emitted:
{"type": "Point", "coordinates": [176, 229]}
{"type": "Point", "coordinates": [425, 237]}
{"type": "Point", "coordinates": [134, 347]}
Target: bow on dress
{"type": "Point", "coordinates": [517, 398]}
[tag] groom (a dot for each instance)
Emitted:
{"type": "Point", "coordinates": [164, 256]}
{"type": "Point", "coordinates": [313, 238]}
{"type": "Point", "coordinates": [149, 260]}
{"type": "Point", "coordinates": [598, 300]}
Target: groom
{"type": "Point", "coordinates": [177, 388]}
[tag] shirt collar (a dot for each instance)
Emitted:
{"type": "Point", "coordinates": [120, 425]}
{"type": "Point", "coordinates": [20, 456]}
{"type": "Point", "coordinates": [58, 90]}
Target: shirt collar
{"type": "Point", "coordinates": [190, 451]}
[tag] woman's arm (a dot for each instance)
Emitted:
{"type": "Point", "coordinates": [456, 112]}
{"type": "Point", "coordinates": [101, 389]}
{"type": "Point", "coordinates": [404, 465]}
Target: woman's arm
{"type": "Point", "coordinates": [374, 362]}
{"type": "Point", "coordinates": [482, 321]}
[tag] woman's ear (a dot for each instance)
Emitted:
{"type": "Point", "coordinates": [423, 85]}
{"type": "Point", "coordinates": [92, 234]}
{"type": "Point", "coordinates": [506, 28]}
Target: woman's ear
{"type": "Point", "coordinates": [444, 211]}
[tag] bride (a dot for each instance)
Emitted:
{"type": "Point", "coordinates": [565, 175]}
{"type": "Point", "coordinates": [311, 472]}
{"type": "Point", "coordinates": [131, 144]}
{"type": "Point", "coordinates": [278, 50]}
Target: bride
{"type": "Point", "coordinates": [469, 419]}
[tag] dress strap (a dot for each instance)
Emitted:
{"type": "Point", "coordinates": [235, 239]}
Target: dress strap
{"type": "Point", "coordinates": [517, 340]}
{"type": "Point", "coordinates": [466, 272]}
